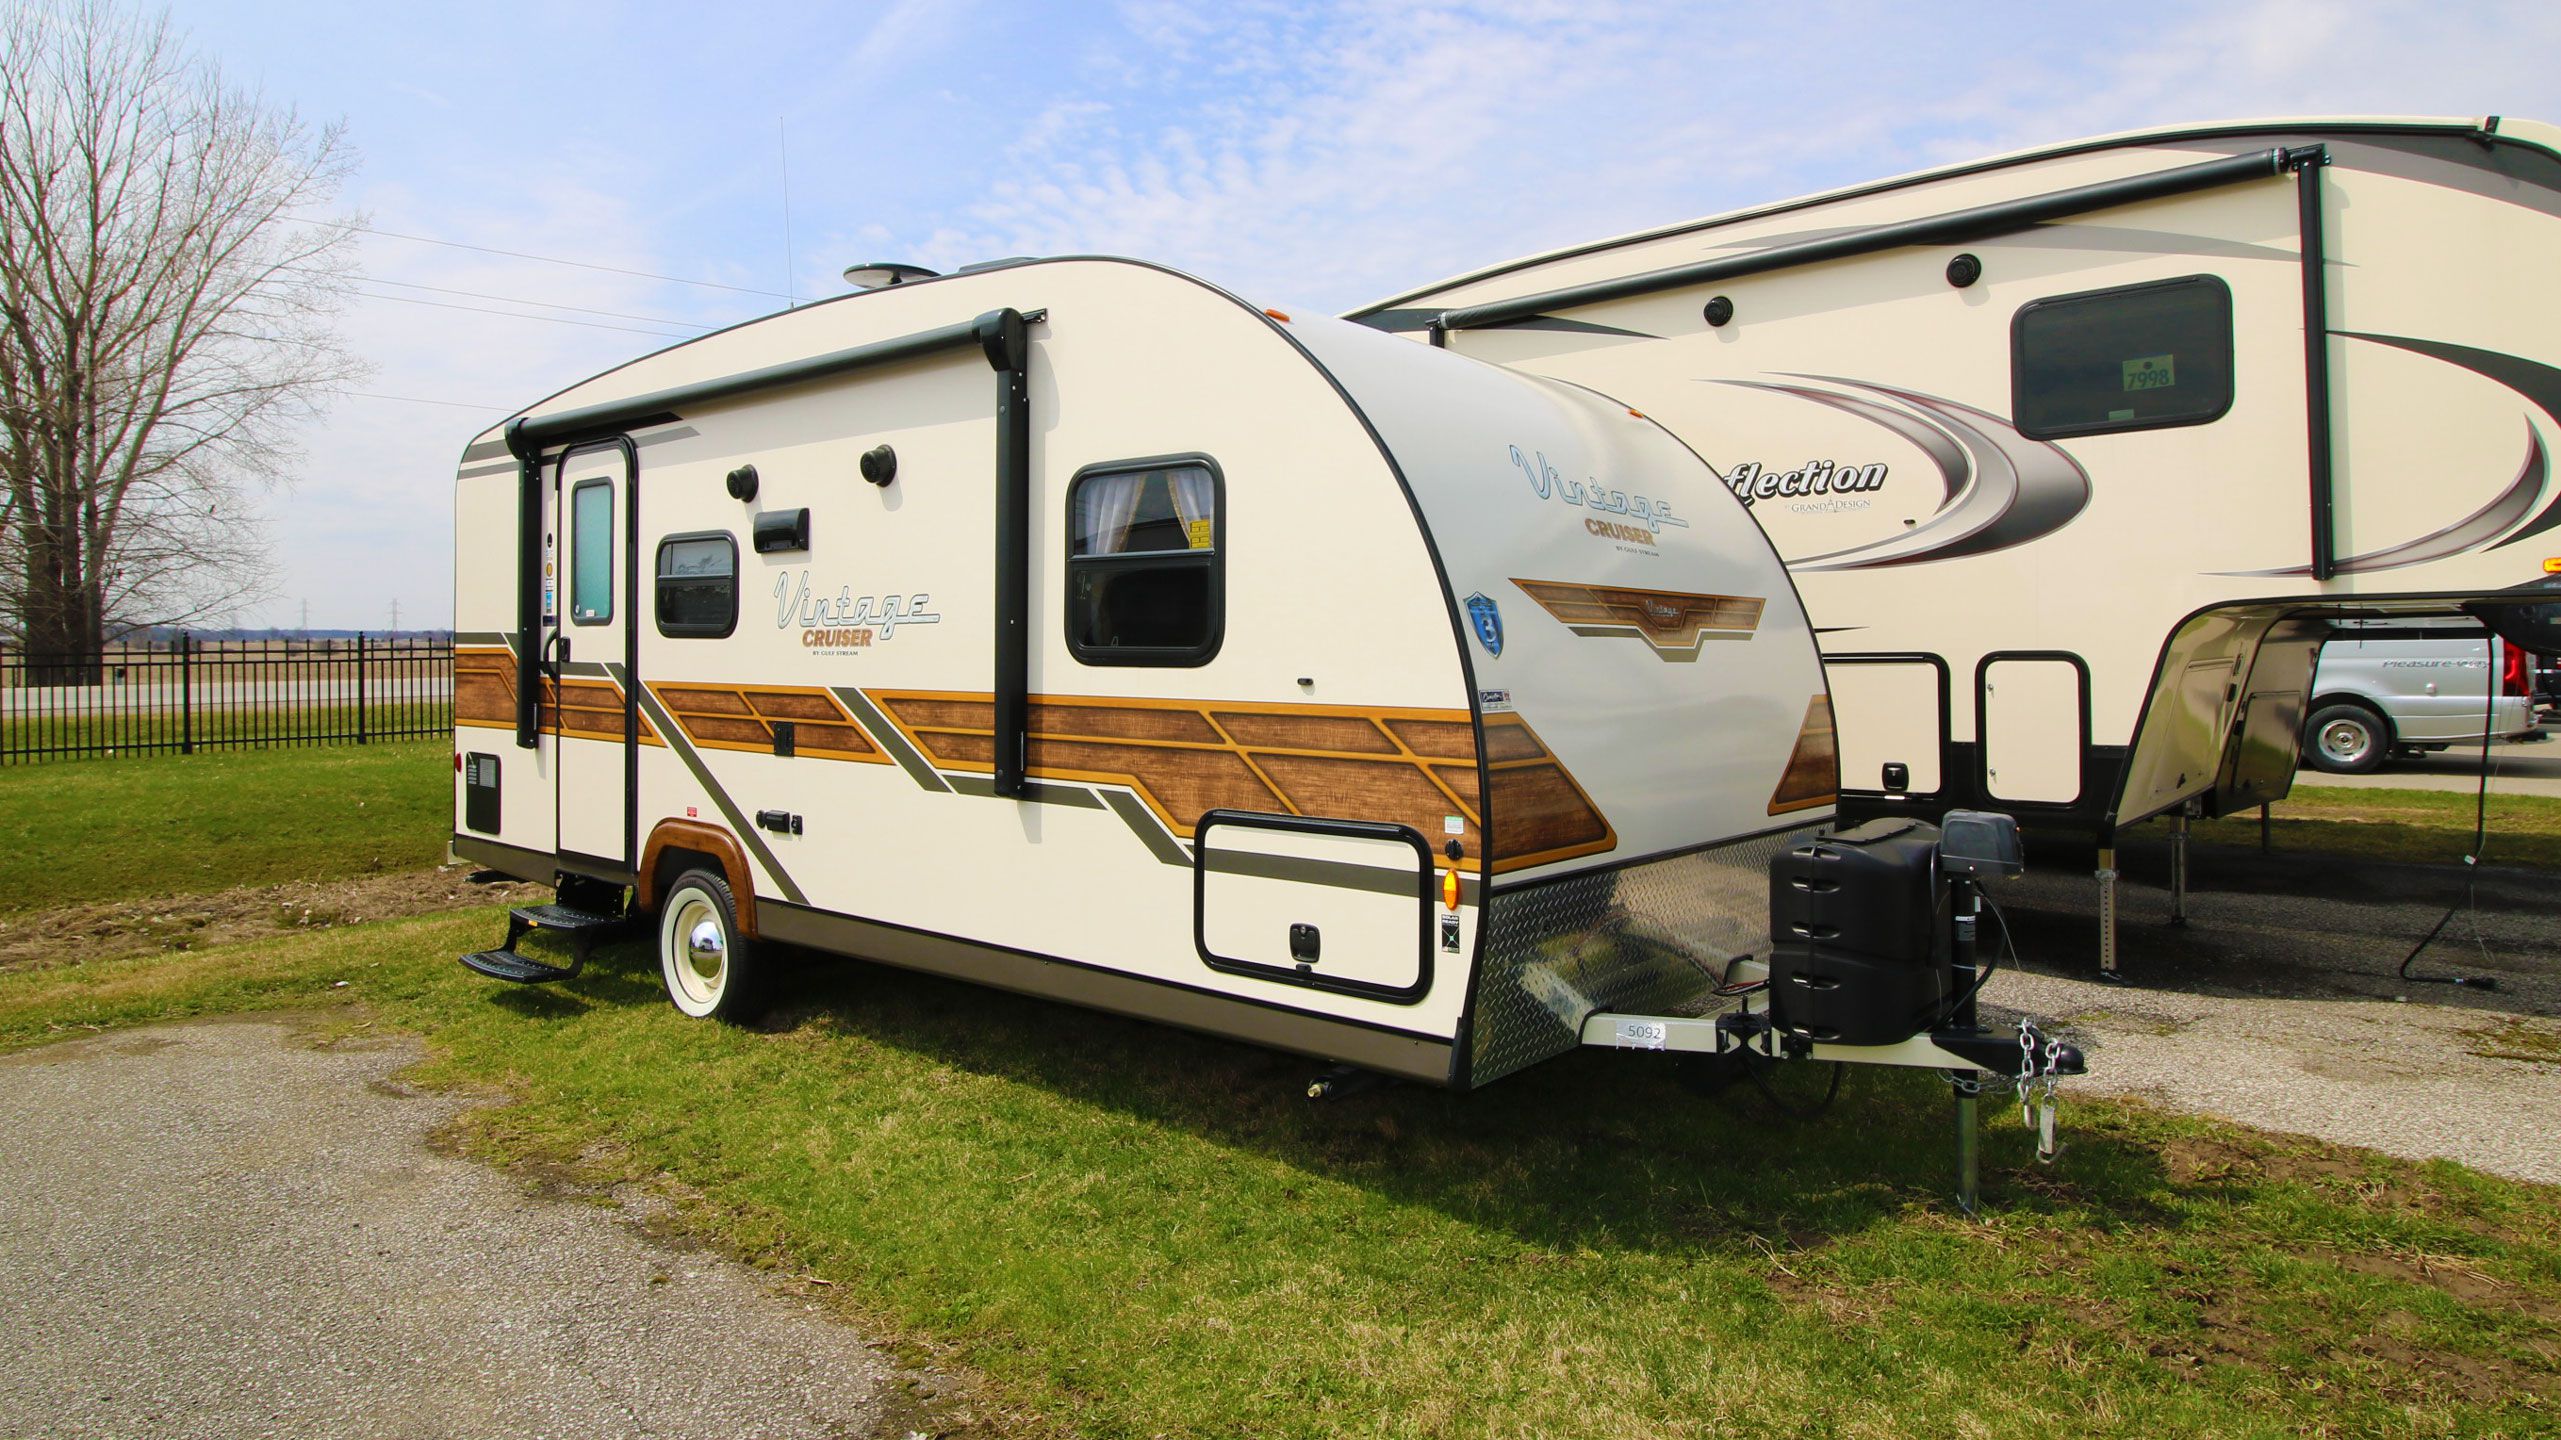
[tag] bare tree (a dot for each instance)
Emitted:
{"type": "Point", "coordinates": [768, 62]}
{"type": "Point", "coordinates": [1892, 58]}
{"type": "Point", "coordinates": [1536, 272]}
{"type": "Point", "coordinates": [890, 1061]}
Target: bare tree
{"type": "Point", "coordinates": [166, 319]}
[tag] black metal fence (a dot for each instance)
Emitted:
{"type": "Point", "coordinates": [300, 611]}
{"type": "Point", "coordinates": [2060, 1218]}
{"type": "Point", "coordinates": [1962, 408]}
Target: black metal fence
{"type": "Point", "coordinates": [185, 695]}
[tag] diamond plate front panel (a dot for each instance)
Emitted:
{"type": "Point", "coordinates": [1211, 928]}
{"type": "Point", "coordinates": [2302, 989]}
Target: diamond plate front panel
{"type": "Point", "coordinates": [1654, 937]}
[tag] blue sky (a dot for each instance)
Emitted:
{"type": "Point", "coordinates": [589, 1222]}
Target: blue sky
{"type": "Point", "coordinates": [1317, 155]}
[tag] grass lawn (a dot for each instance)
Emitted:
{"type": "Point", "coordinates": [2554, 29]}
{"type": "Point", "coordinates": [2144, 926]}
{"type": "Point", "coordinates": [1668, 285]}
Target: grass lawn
{"type": "Point", "coordinates": [2408, 825]}
{"type": "Point", "coordinates": [1135, 1232]}
{"type": "Point", "coordinates": [186, 824]}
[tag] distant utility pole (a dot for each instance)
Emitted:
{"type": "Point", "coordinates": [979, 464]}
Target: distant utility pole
{"type": "Point", "coordinates": [395, 617]}
{"type": "Point", "coordinates": [306, 617]}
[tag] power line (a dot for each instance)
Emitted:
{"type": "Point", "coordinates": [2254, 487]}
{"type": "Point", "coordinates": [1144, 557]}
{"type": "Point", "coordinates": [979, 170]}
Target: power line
{"type": "Point", "coordinates": [509, 299]}
{"type": "Point", "coordinates": [520, 315]}
{"type": "Point", "coordinates": [421, 400]}
{"type": "Point", "coordinates": [549, 259]}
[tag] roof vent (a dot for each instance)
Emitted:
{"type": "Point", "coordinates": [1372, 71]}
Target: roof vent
{"type": "Point", "coordinates": [882, 274]}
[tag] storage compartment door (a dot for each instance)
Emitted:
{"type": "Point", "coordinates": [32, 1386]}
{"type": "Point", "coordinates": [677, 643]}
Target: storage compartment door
{"type": "Point", "coordinates": [2036, 722]}
{"type": "Point", "coordinates": [1338, 905]}
{"type": "Point", "coordinates": [1891, 717]}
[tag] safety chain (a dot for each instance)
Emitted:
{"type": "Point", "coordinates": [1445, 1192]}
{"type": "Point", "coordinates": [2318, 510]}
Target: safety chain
{"type": "Point", "coordinates": [2040, 1056]}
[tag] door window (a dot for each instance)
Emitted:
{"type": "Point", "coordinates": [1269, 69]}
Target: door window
{"type": "Point", "coordinates": [591, 552]}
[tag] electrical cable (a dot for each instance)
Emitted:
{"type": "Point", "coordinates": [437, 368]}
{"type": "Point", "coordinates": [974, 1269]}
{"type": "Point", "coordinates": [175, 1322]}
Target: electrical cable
{"type": "Point", "coordinates": [2471, 901]}
{"type": "Point", "coordinates": [520, 315]}
{"type": "Point", "coordinates": [1761, 1083]}
{"type": "Point", "coordinates": [547, 259]}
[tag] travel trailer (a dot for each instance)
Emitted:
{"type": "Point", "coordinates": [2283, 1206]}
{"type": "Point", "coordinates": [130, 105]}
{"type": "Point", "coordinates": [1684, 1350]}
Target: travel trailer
{"type": "Point", "coordinates": [2077, 453]}
{"type": "Point", "coordinates": [1074, 627]}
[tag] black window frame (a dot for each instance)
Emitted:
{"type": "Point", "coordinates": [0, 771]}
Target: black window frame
{"type": "Point", "coordinates": [1186, 657]}
{"type": "Point", "coordinates": [2019, 410]}
{"type": "Point", "coordinates": [578, 548]}
{"type": "Point", "coordinates": [658, 578]}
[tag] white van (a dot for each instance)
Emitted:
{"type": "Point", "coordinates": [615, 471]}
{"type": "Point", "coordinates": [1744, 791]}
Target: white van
{"type": "Point", "coordinates": [2385, 688]}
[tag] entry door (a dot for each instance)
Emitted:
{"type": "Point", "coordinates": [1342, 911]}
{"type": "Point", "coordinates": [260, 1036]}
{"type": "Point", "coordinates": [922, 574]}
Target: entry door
{"type": "Point", "coordinates": [587, 603]}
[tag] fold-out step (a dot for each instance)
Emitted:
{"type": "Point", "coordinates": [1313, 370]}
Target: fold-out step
{"type": "Point", "coordinates": [582, 928]}
{"type": "Point", "coordinates": [508, 965]}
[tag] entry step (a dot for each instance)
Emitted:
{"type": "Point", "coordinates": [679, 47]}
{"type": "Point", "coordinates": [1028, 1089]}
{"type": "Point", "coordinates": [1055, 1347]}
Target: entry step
{"type": "Point", "coordinates": [554, 916]}
{"type": "Point", "coordinates": [508, 965]}
{"type": "Point", "coordinates": [582, 928]}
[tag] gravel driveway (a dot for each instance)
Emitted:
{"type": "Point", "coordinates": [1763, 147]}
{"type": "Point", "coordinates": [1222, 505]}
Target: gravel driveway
{"type": "Point", "coordinates": [2279, 1004]}
{"type": "Point", "coordinates": [218, 1230]}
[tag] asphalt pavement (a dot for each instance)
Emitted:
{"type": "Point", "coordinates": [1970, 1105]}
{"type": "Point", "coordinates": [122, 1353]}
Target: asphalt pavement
{"type": "Point", "coordinates": [2517, 767]}
{"type": "Point", "coordinates": [219, 1230]}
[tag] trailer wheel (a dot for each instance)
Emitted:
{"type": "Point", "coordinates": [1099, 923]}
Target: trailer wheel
{"type": "Point", "coordinates": [2346, 739]}
{"type": "Point", "coordinates": [711, 970]}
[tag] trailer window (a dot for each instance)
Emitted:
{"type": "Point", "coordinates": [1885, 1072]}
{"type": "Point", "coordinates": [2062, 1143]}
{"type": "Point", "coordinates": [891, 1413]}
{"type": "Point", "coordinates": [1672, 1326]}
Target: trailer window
{"type": "Point", "coordinates": [591, 552]}
{"type": "Point", "coordinates": [2138, 358]}
{"type": "Point", "coordinates": [697, 585]}
{"type": "Point", "coordinates": [1145, 584]}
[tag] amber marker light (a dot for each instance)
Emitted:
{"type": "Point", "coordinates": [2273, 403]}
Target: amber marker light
{"type": "Point", "coordinates": [2552, 564]}
{"type": "Point", "coordinates": [1449, 887]}
{"type": "Point", "coordinates": [1280, 315]}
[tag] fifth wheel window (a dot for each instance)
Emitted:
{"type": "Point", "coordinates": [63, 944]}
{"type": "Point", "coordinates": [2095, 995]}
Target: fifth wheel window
{"type": "Point", "coordinates": [2139, 358]}
{"type": "Point", "coordinates": [591, 552]}
{"type": "Point", "coordinates": [1144, 583]}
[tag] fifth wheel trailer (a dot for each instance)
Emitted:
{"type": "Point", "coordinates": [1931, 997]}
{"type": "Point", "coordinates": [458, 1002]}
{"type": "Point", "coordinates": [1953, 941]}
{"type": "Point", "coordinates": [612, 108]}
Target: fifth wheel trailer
{"type": "Point", "coordinates": [2077, 453]}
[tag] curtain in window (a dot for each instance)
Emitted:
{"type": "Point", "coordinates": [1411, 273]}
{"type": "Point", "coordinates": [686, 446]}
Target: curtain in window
{"type": "Point", "coordinates": [1196, 500]}
{"type": "Point", "coordinates": [1105, 506]}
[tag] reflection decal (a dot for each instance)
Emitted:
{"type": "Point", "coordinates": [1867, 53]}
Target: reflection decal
{"type": "Point", "coordinates": [2000, 488]}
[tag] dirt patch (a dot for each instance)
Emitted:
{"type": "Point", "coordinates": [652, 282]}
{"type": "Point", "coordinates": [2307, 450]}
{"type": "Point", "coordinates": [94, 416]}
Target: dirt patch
{"type": "Point", "coordinates": [107, 930]}
{"type": "Point", "coordinates": [2234, 1327]}
{"type": "Point", "coordinates": [2518, 1037]}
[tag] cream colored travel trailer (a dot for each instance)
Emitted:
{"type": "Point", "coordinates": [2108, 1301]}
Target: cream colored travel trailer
{"type": "Point", "coordinates": [2071, 499]}
{"type": "Point", "coordinates": [1074, 627]}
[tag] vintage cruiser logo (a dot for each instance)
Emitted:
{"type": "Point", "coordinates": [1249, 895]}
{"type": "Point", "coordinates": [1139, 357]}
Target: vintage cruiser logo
{"type": "Point", "coordinates": [1645, 518]}
{"type": "Point", "coordinates": [846, 621]}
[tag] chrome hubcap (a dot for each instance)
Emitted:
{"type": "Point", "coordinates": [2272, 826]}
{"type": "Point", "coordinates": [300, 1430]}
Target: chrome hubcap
{"type": "Point", "coordinates": [2345, 741]}
{"type": "Point", "coordinates": [701, 965]}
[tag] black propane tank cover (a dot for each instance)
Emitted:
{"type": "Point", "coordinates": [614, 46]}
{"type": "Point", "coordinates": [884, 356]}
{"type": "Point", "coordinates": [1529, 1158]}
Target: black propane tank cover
{"type": "Point", "coordinates": [1859, 955]}
{"type": "Point", "coordinates": [880, 465]}
{"type": "Point", "coordinates": [780, 530]}
{"type": "Point", "coordinates": [742, 483]}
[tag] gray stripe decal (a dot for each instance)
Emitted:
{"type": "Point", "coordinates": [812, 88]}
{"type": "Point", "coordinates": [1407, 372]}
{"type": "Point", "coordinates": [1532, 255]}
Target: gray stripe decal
{"type": "Point", "coordinates": [485, 450]}
{"type": "Point", "coordinates": [1034, 791]}
{"type": "Point", "coordinates": [1151, 831]}
{"type": "Point", "coordinates": [739, 825]}
{"type": "Point", "coordinates": [484, 637]}
{"type": "Point", "coordinates": [886, 736]}
{"type": "Point", "coordinates": [589, 670]}
{"type": "Point", "coordinates": [1334, 874]}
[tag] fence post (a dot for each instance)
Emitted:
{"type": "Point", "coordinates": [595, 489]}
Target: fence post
{"type": "Point", "coordinates": [360, 687]}
{"type": "Point", "coordinates": [186, 694]}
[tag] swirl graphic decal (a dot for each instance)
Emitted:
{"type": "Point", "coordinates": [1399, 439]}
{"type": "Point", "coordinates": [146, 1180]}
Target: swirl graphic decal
{"type": "Point", "coordinates": [2002, 489]}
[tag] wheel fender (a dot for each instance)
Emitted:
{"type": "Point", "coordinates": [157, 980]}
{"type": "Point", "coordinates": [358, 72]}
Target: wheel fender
{"type": "Point", "coordinates": [704, 839]}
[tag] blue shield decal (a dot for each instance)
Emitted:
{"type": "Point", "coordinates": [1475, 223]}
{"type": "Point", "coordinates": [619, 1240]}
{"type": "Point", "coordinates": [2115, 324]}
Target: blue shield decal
{"type": "Point", "coordinates": [1487, 620]}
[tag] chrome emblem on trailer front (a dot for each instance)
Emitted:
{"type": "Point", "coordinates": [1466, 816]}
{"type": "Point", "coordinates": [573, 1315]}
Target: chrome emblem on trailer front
{"type": "Point", "coordinates": [1487, 621]}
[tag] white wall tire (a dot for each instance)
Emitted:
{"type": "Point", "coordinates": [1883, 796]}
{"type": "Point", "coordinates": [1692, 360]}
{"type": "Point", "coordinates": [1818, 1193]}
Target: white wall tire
{"type": "Point", "coordinates": [710, 969]}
